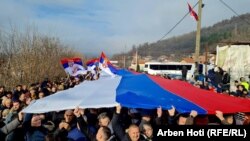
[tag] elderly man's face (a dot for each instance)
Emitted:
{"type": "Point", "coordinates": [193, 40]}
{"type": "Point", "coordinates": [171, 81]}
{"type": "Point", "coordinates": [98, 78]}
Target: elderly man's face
{"type": "Point", "coordinates": [68, 116]}
{"type": "Point", "coordinates": [104, 121]}
{"type": "Point", "coordinates": [8, 103]}
{"type": "Point", "coordinates": [70, 63]}
{"type": "Point", "coordinates": [134, 133]}
{"type": "Point", "coordinates": [148, 130]}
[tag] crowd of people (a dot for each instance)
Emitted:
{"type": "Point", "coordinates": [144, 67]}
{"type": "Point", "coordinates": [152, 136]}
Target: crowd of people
{"type": "Point", "coordinates": [219, 81]}
{"type": "Point", "coordinates": [103, 124]}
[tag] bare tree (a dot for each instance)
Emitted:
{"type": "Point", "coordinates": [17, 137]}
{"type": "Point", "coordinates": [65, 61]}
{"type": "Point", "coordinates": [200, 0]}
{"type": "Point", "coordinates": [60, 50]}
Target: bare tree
{"type": "Point", "coordinates": [27, 57]}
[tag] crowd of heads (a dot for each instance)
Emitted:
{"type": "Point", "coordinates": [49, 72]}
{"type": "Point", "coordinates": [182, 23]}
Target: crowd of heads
{"type": "Point", "coordinates": [119, 123]}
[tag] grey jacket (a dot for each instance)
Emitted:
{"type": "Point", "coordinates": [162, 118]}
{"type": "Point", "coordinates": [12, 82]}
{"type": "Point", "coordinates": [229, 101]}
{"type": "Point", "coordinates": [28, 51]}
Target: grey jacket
{"type": "Point", "coordinates": [10, 126]}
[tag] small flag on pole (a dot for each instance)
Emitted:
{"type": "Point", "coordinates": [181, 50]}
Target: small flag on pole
{"type": "Point", "coordinates": [104, 64]}
{"type": "Point", "coordinates": [73, 66]}
{"type": "Point", "coordinates": [192, 12]}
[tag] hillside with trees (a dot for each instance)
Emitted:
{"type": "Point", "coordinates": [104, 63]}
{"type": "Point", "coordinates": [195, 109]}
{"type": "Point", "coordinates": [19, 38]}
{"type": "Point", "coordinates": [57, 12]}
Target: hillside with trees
{"type": "Point", "coordinates": [234, 29]}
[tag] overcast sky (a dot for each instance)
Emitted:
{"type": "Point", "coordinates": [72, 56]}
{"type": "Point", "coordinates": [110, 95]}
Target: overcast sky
{"type": "Point", "coordinates": [112, 26]}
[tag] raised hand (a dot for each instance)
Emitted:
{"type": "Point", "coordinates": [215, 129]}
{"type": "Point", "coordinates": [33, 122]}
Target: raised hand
{"type": "Point", "coordinates": [64, 125]}
{"type": "Point", "coordinates": [118, 109]}
{"type": "Point", "coordinates": [171, 111]}
{"type": "Point", "coordinates": [77, 112]}
{"type": "Point", "coordinates": [193, 113]}
{"type": "Point", "coordinates": [20, 116]}
{"type": "Point", "coordinates": [159, 111]}
{"type": "Point", "coordinates": [82, 111]}
{"type": "Point", "coordinates": [219, 114]}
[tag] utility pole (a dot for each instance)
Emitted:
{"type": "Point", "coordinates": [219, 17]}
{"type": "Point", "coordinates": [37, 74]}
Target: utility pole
{"type": "Point", "coordinates": [198, 33]}
{"type": "Point", "coordinates": [124, 61]}
{"type": "Point", "coordinates": [137, 60]}
{"type": "Point", "coordinates": [136, 57]}
{"type": "Point", "coordinates": [206, 58]}
{"type": "Point", "coordinates": [124, 58]}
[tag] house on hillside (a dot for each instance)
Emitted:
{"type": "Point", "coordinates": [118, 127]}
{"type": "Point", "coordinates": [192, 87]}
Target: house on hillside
{"type": "Point", "coordinates": [162, 58]}
{"type": "Point", "coordinates": [147, 58]}
{"type": "Point", "coordinates": [202, 59]}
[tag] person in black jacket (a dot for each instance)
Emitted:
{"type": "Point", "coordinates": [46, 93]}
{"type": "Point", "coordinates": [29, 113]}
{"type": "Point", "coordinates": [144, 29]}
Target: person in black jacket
{"type": "Point", "coordinates": [10, 126]}
{"type": "Point", "coordinates": [184, 73]}
{"type": "Point", "coordinates": [147, 131]}
{"type": "Point", "coordinates": [133, 132]}
{"type": "Point", "coordinates": [103, 133]}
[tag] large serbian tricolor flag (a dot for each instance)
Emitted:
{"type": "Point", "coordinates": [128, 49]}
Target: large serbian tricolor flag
{"type": "Point", "coordinates": [139, 91]}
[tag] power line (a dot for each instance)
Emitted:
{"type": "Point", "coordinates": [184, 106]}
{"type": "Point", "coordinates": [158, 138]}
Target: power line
{"type": "Point", "coordinates": [176, 24]}
{"type": "Point", "coordinates": [234, 11]}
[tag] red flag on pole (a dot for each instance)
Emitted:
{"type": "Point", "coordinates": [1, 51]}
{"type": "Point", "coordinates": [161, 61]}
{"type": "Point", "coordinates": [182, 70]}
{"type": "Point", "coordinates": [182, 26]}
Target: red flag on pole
{"type": "Point", "coordinates": [192, 12]}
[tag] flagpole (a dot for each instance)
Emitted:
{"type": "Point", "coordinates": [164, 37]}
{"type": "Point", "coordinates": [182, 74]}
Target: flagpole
{"type": "Point", "coordinates": [124, 61]}
{"type": "Point", "coordinates": [198, 33]}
